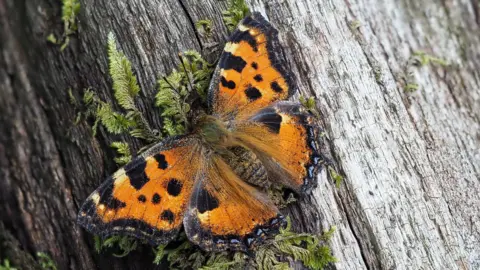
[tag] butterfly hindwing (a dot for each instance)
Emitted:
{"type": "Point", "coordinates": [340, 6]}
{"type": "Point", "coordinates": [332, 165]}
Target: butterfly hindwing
{"type": "Point", "coordinates": [147, 197]}
{"type": "Point", "coordinates": [225, 213]}
{"type": "Point", "coordinates": [284, 137]}
{"type": "Point", "coordinates": [251, 73]}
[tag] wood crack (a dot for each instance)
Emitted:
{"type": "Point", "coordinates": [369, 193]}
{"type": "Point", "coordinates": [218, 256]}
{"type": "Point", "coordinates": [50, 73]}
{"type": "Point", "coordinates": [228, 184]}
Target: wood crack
{"type": "Point", "coordinates": [192, 23]}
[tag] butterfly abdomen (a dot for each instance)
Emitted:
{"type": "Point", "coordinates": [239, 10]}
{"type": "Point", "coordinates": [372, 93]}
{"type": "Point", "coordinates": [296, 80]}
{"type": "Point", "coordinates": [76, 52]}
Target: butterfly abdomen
{"type": "Point", "coordinates": [247, 166]}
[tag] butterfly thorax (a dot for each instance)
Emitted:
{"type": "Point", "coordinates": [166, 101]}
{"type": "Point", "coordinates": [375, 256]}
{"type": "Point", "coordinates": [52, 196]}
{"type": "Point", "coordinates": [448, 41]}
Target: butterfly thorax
{"type": "Point", "coordinates": [213, 132]}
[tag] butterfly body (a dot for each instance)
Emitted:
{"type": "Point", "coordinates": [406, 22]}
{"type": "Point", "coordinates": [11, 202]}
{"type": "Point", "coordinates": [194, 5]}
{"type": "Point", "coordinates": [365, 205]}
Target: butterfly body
{"type": "Point", "coordinates": [211, 181]}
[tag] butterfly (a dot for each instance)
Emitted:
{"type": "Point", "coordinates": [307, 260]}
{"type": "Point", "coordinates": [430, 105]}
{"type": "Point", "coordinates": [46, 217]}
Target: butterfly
{"type": "Point", "coordinates": [211, 180]}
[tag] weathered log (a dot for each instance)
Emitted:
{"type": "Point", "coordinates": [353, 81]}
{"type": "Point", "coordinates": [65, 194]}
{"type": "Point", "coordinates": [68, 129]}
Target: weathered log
{"type": "Point", "coordinates": [410, 160]}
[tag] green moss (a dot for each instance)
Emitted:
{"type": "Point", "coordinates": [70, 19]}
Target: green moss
{"type": "Point", "coordinates": [180, 88]}
{"type": "Point", "coordinates": [378, 74]}
{"type": "Point", "coordinates": [411, 87]}
{"type": "Point", "coordinates": [45, 261]}
{"type": "Point", "coordinates": [126, 89]}
{"type": "Point", "coordinates": [421, 59]}
{"type": "Point", "coordinates": [114, 122]}
{"type": "Point", "coordinates": [309, 104]}
{"type": "Point", "coordinates": [237, 10]}
{"type": "Point", "coordinates": [354, 25]}
{"type": "Point", "coordinates": [70, 10]}
{"type": "Point", "coordinates": [125, 86]}
{"type": "Point", "coordinates": [123, 150]}
{"type": "Point", "coordinates": [309, 249]}
{"type": "Point", "coordinates": [204, 27]}
{"type": "Point", "coordinates": [337, 178]}
{"type": "Point", "coordinates": [123, 244]}
{"type": "Point", "coordinates": [52, 39]}
{"type": "Point", "coordinates": [6, 265]}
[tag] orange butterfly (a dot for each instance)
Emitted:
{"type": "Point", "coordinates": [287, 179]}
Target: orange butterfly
{"type": "Point", "coordinates": [209, 180]}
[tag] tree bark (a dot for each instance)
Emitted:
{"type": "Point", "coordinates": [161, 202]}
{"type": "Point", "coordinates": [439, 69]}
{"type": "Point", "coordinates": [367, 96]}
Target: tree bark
{"type": "Point", "coordinates": [410, 161]}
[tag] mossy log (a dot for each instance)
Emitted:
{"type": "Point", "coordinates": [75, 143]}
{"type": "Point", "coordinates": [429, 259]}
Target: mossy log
{"type": "Point", "coordinates": [410, 159]}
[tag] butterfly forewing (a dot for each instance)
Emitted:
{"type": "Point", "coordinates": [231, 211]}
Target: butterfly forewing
{"type": "Point", "coordinates": [147, 197]}
{"type": "Point", "coordinates": [251, 73]}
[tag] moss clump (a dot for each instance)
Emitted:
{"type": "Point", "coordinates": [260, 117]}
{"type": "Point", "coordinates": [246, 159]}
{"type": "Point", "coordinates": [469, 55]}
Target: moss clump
{"type": "Point", "coordinates": [411, 87]}
{"type": "Point", "coordinates": [45, 261]}
{"type": "Point", "coordinates": [123, 244]}
{"type": "Point", "coordinates": [378, 75]}
{"type": "Point", "coordinates": [204, 27]}
{"type": "Point", "coordinates": [6, 265]}
{"type": "Point", "coordinates": [179, 89]}
{"type": "Point", "coordinates": [309, 104]}
{"type": "Point", "coordinates": [123, 150]}
{"type": "Point", "coordinates": [309, 249]}
{"type": "Point", "coordinates": [126, 89]}
{"type": "Point", "coordinates": [354, 25]}
{"type": "Point", "coordinates": [337, 178]}
{"type": "Point", "coordinates": [420, 59]}
{"type": "Point", "coordinates": [70, 10]}
{"type": "Point", "coordinates": [237, 10]}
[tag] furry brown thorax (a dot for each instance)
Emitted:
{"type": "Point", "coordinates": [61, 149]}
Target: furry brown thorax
{"type": "Point", "coordinates": [213, 131]}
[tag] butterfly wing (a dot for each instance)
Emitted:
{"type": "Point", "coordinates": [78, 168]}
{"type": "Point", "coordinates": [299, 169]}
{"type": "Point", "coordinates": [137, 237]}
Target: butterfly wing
{"type": "Point", "coordinates": [284, 137]}
{"type": "Point", "coordinates": [251, 73]}
{"type": "Point", "coordinates": [226, 213]}
{"type": "Point", "coordinates": [146, 198]}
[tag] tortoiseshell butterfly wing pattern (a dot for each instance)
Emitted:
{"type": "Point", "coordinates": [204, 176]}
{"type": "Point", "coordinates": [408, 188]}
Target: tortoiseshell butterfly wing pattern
{"type": "Point", "coordinates": [146, 198]}
{"type": "Point", "coordinates": [251, 73]}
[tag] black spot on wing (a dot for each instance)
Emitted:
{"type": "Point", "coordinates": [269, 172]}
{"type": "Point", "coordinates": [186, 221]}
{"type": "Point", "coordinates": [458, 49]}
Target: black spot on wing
{"type": "Point", "coordinates": [107, 199]}
{"type": "Point", "coordinates": [142, 198]}
{"type": "Point", "coordinates": [230, 61]}
{"type": "Point", "coordinates": [168, 215]}
{"type": "Point", "coordinates": [174, 187]}
{"type": "Point", "coordinates": [253, 93]}
{"type": "Point", "coordinates": [228, 84]}
{"type": "Point", "coordinates": [135, 171]}
{"type": "Point", "coordinates": [206, 201]}
{"type": "Point", "coordinates": [239, 36]}
{"type": "Point", "coordinates": [258, 78]}
{"type": "Point", "coordinates": [156, 198]}
{"type": "Point", "coordinates": [272, 122]}
{"type": "Point", "coordinates": [254, 65]}
{"type": "Point", "coordinates": [162, 162]}
{"type": "Point", "coordinates": [276, 87]}
{"type": "Point", "coordinates": [274, 49]}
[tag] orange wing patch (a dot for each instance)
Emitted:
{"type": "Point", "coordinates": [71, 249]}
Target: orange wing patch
{"type": "Point", "coordinates": [251, 71]}
{"type": "Point", "coordinates": [284, 138]}
{"type": "Point", "coordinates": [226, 213]}
{"type": "Point", "coordinates": [147, 198]}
